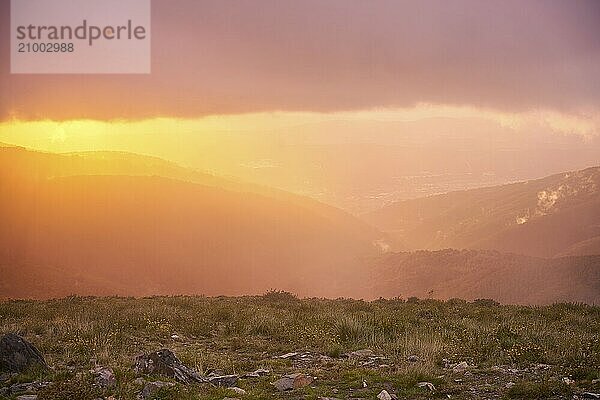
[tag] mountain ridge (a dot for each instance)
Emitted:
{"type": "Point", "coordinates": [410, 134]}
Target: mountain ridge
{"type": "Point", "coordinates": [516, 217]}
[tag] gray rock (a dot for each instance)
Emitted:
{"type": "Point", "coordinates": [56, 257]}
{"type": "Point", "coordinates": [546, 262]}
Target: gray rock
{"type": "Point", "coordinates": [460, 367]}
{"type": "Point", "coordinates": [164, 362]}
{"type": "Point", "coordinates": [223, 380]}
{"type": "Point", "coordinates": [427, 385]}
{"type": "Point", "coordinates": [364, 353]}
{"type": "Point", "coordinates": [293, 381]}
{"type": "Point", "coordinates": [18, 355]}
{"type": "Point", "coordinates": [23, 387]}
{"type": "Point", "coordinates": [288, 355]}
{"type": "Point", "coordinates": [104, 377]}
{"type": "Point", "coordinates": [139, 381]}
{"type": "Point", "coordinates": [413, 358]}
{"type": "Point", "coordinates": [237, 390]}
{"type": "Point", "coordinates": [256, 374]}
{"type": "Point", "coordinates": [590, 395]}
{"type": "Point", "coordinates": [385, 395]}
{"type": "Point", "coordinates": [568, 381]}
{"type": "Point", "coordinates": [27, 397]}
{"type": "Point", "coordinates": [152, 387]}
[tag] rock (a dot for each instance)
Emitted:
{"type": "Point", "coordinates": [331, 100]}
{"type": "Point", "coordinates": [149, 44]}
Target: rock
{"type": "Point", "coordinates": [288, 355]}
{"type": "Point", "coordinates": [427, 385]}
{"type": "Point", "coordinates": [164, 362]}
{"type": "Point", "coordinates": [568, 381]}
{"type": "Point", "coordinates": [509, 385]}
{"type": "Point", "coordinates": [384, 395]}
{"type": "Point", "coordinates": [594, 381]}
{"type": "Point", "coordinates": [104, 377]}
{"type": "Point", "coordinates": [152, 387]}
{"type": "Point", "coordinates": [413, 358]}
{"type": "Point", "coordinates": [223, 380]}
{"type": "Point", "coordinates": [24, 387]}
{"type": "Point", "coordinates": [460, 367]}
{"type": "Point", "coordinates": [215, 372]}
{"type": "Point", "coordinates": [293, 381]}
{"type": "Point", "coordinates": [361, 353]}
{"type": "Point", "coordinates": [237, 390]}
{"type": "Point", "coordinates": [256, 374]}
{"type": "Point", "coordinates": [18, 355]}
{"type": "Point", "coordinates": [27, 397]}
{"type": "Point", "coordinates": [590, 395]}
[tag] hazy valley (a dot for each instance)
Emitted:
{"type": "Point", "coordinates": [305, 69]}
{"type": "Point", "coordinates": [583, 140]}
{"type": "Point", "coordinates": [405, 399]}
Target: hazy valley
{"type": "Point", "coordinates": [108, 223]}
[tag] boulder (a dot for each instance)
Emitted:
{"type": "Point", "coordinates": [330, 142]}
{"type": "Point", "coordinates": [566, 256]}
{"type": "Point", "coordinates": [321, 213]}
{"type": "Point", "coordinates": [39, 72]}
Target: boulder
{"type": "Point", "coordinates": [223, 380]}
{"type": "Point", "coordinates": [18, 355]}
{"type": "Point", "coordinates": [293, 381]}
{"type": "Point", "coordinates": [104, 377]}
{"type": "Point", "coordinates": [427, 385]}
{"type": "Point", "coordinates": [23, 388]}
{"type": "Point", "coordinates": [256, 374]}
{"type": "Point", "coordinates": [237, 390]}
{"type": "Point", "coordinates": [288, 355]}
{"type": "Point", "coordinates": [385, 395]}
{"type": "Point", "coordinates": [164, 362]}
{"type": "Point", "coordinates": [590, 395]}
{"type": "Point", "coordinates": [460, 367]}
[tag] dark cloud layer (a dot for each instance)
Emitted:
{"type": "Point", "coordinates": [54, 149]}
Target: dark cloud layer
{"type": "Point", "coordinates": [239, 56]}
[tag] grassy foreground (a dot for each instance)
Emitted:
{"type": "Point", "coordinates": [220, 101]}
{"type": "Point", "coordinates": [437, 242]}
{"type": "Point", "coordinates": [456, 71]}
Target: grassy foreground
{"type": "Point", "coordinates": [511, 351]}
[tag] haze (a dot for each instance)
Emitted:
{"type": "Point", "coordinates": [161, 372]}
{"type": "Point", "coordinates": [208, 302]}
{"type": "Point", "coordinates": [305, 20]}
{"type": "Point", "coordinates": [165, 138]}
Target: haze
{"type": "Point", "coordinates": [339, 121]}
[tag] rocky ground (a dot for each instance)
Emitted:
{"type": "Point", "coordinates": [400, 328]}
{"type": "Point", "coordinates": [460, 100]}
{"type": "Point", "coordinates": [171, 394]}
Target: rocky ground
{"type": "Point", "coordinates": [276, 346]}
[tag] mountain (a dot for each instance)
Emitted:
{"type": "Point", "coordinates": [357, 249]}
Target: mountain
{"type": "Point", "coordinates": [115, 223]}
{"type": "Point", "coordinates": [472, 274]}
{"type": "Point", "coordinates": [553, 216]}
{"type": "Point", "coordinates": [23, 165]}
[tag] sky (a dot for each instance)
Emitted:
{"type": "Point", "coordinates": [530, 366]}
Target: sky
{"type": "Point", "coordinates": [232, 80]}
{"type": "Point", "coordinates": [223, 57]}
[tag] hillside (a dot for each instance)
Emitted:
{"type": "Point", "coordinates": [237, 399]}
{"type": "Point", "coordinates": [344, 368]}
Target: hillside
{"type": "Point", "coordinates": [22, 165]}
{"type": "Point", "coordinates": [471, 274]}
{"type": "Point", "coordinates": [545, 217]}
{"type": "Point", "coordinates": [139, 234]}
{"type": "Point", "coordinates": [341, 349]}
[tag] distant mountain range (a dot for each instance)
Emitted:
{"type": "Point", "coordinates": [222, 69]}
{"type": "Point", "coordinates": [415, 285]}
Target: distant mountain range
{"type": "Point", "coordinates": [110, 223]}
{"type": "Point", "coordinates": [554, 216]}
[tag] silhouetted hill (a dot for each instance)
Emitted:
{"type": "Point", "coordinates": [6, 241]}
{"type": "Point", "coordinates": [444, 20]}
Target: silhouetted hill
{"type": "Point", "coordinates": [472, 274]}
{"type": "Point", "coordinates": [544, 217]}
{"type": "Point", "coordinates": [142, 234]}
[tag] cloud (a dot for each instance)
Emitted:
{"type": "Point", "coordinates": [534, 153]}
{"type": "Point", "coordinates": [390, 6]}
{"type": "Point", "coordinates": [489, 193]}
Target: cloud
{"type": "Point", "coordinates": [217, 57]}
